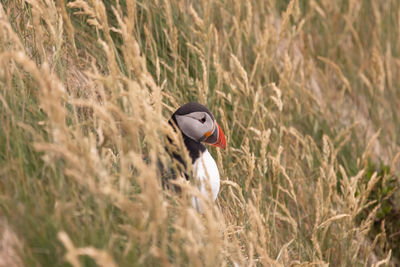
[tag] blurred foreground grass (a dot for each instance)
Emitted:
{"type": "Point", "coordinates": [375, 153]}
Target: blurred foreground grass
{"type": "Point", "coordinates": [307, 93]}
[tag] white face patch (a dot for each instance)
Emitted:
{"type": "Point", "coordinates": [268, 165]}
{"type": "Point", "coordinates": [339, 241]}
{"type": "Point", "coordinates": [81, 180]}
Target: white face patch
{"type": "Point", "coordinates": [195, 125]}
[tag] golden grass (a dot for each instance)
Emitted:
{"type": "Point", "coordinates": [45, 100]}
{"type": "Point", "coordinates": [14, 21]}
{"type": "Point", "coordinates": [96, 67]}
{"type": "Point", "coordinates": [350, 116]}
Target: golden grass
{"type": "Point", "coordinates": [307, 95]}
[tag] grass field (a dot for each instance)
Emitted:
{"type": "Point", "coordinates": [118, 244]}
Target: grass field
{"type": "Point", "coordinates": [307, 93]}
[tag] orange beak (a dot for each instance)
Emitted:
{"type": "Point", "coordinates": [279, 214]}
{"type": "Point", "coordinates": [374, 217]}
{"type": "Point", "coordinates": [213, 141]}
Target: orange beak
{"type": "Point", "coordinates": [221, 142]}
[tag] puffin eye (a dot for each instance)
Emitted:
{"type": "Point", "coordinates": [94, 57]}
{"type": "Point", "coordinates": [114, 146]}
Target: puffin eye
{"type": "Point", "coordinates": [203, 120]}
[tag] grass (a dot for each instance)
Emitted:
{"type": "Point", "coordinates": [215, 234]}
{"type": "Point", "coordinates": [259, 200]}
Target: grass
{"type": "Point", "coordinates": [305, 91]}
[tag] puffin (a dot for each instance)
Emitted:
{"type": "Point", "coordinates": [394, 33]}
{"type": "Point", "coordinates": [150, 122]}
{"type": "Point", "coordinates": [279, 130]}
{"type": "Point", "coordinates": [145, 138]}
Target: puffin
{"type": "Point", "coordinates": [198, 127]}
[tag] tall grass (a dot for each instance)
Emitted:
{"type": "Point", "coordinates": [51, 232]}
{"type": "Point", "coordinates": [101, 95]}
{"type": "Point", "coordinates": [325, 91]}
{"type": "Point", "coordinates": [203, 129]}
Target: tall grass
{"type": "Point", "coordinates": [307, 95]}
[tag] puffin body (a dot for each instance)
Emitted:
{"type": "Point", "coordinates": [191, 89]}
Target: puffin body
{"type": "Point", "coordinates": [206, 172]}
{"type": "Point", "coordinates": [197, 125]}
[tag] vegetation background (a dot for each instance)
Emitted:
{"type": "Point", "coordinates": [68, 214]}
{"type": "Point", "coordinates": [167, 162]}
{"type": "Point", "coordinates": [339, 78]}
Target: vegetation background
{"type": "Point", "coordinates": [307, 93]}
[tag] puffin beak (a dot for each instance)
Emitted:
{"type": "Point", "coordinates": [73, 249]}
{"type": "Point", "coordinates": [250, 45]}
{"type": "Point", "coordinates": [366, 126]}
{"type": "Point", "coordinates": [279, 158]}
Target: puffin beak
{"type": "Point", "coordinates": [216, 138]}
{"type": "Point", "coordinates": [221, 142]}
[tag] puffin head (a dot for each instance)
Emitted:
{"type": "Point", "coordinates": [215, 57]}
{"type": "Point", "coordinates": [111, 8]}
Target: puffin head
{"type": "Point", "coordinates": [197, 123]}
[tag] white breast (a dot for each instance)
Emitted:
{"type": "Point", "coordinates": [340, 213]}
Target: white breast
{"type": "Point", "coordinates": [205, 170]}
